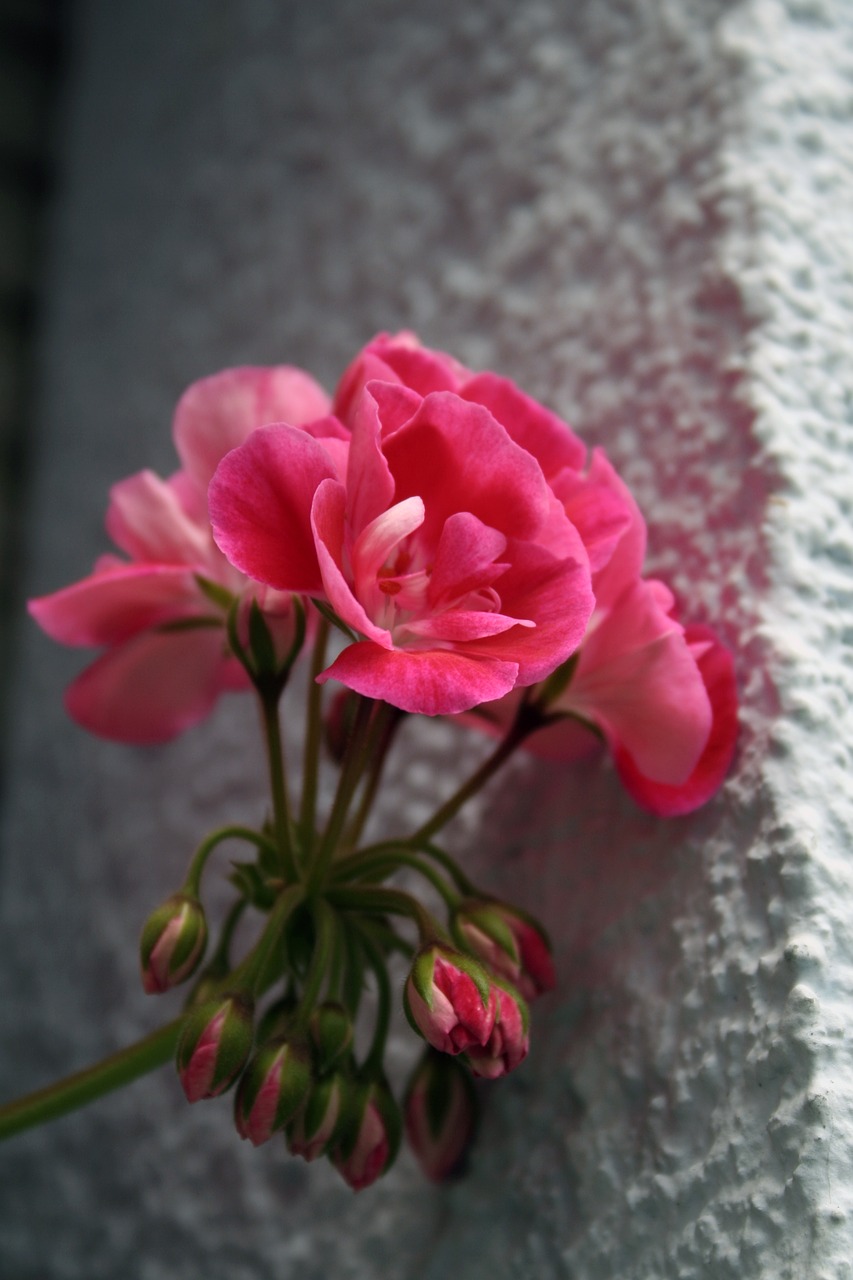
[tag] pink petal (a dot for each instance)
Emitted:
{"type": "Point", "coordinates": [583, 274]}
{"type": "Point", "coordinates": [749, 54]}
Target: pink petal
{"type": "Point", "coordinates": [556, 595]}
{"type": "Point", "coordinates": [370, 483]}
{"type": "Point", "coordinates": [460, 625]}
{"type": "Point", "coordinates": [328, 522]}
{"type": "Point", "coordinates": [626, 562]}
{"type": "Point", "coordinates": [260, 507]}
{"type": "Point", "coordinates": [465, 557]}
{"type": "Point", "coordinates": [599, 513]}
{"type": "Point", "coordinates": [716, 668]}
{"type": "Point", "coordinates": [109, 606]}
{"type": "Point", "coordinates": [638, 681]}
{"type": "Point", "coordinates": [458, 458]}
{"type": "Point", "coordinates": [147, 520]}
{"type": "Point", "coordinates": [151, 688]}
{"type": "Point", "coordinates": [218, 413]}
{"type": "Point", "coordinates": [551, 441]}
{"type": "Point", "coordinates": [376, 542]}
{"type": "Point", "coordinates": [433, 682]}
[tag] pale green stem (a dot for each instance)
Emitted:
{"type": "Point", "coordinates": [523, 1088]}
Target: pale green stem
{"type": "Point", "coordinates": [86, 1086]}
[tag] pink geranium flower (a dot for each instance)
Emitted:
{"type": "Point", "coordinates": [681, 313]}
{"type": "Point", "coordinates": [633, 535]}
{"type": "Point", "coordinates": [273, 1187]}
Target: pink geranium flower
{"type": "Point", "coordinates": [434, 538]}
{"type": "Point", "coordinates": [663, 696]}
{"type": "Point", "coordinates": [161, 627]}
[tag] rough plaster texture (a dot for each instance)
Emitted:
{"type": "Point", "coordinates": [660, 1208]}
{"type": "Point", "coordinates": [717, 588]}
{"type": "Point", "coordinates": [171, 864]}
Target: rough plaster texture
{"type": "Point", "coordinates": [638, 211]}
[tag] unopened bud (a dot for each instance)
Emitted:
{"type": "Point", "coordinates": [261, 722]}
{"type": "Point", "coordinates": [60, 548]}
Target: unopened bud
{"type": "Point", "coordinates": [373, 1128]}
{"type": "Point", "coordinates": [509, 1041]}
{"type": "Point", "coordinates": [172, 944]}
{"type": "Point", "coordinates": [331, 1032]}
{"type": "Point", "coordinates": [510, 942]}
{"type": "Point", "coordinates": [440, 1111]}
{"type": "Point", "coordinates": [315, 1127]}
{"type": "Point", "coordinates": [449, 999]}
{"type": "Point", "coordinates": [214, 1045]}
{"type": "Point", "coordinates": [272, 1089]}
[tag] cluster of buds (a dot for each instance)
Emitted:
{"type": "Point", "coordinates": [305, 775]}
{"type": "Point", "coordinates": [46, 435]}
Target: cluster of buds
{"type": "Point", "coordinates": [296, 1073]}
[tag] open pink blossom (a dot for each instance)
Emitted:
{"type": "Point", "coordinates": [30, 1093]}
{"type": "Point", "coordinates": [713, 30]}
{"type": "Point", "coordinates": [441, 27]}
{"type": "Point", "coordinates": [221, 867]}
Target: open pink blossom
{"type": "Point", "coordinates": [665, 702]}
{"type": "Point", "coordinates": [441, 546]}
{"type": "Point", "coordinates": [165, 659]}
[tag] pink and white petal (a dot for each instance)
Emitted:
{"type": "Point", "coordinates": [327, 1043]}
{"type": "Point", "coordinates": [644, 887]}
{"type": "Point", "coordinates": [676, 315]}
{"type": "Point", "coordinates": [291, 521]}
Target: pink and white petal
{"type": "Point", "coordinates": [458, 626]}
{"type": "Point", "coordinates": [260, 507]}
{"type": "Point", "coordinates": [378, 539]}
{"type": "Point", "coordinates": [109, 606]}
{"type": "Point", "coordinates": [152, 687]}
{"type": "Point", "coordinates": [639, 683]}
{"type": "Point", "coordinates": [465, 558]}
{"type": "Point", "coordinates": [328, 522]}
{"type": "Point", "coordinates": [434, 682]}
{"type": "Point", "coordinates": [716, 668]}
{"type": "Point", "coordinates": [458, 458]}
{"type": "Point", "coordinates": [147, 520]}
{"type": "Point", "coordinates": [551, 441]}
{"type": "Point", "coordinates": [218, 413]}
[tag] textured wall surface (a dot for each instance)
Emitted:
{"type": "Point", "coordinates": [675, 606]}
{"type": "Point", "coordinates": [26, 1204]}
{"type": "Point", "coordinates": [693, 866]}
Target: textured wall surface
{"type": "Point", "coordinates": [637, 210]}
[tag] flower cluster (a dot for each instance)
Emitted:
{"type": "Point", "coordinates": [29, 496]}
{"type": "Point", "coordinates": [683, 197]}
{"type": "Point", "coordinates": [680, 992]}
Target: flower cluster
{"type": "Point", "coordinates": [475, 562]}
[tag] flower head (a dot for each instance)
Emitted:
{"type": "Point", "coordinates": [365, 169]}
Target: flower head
{"type": "Point", "coordinates": [159, 613]}
{"type": "Point", "coordinates": [434, 537]}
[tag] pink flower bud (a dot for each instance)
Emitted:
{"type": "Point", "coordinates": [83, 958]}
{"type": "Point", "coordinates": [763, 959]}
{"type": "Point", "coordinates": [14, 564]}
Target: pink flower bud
{"type": "Point", "coordinates": [214, 1045]}
{"type": "Point", "coordinates": [374, 1127]}
{"type": "Point", "coordinates": [508, 1044]}
{"type": "Point", "coordinates": [510, 942]}
{"type": "Point", "coordinates": [440, 1114]}
{"type": "Point", "coordinates": [173, 941]}
{"type": "Point", "coordinates": [449, 1000]}
{"type": "Point", "coordinates": [313, 1129]}
{"type": "Point", "coordinates": [272, 1089]}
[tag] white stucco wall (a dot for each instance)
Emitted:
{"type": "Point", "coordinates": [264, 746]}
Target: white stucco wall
{"type": "Point", "coordinates": [639, 211]}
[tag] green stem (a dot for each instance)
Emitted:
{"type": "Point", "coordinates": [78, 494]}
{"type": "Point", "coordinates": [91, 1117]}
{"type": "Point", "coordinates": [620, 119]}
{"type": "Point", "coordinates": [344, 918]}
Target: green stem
{"type": "Point", "coordinates": [252, 973]}
{"type": "Point", "coordinates": [385, 864]}
{"type": "Point", "coordinates": [278, 786]}
{"type": "Point", "coordinates": [526, 721]}
{"type": "Point", "coordinates": [313, 739]}
{"type": "Point", "coordinates": [382, 733]}
{"type": "Point", "coordinates": [387, 902]}
{"type": "Point", "coordinates": [86, 1086]}
{"type": "Point", "coordinates": [351, 772]}
{"type": "Point", "coordinates": [392, 847]}
{"type": "Point", "coordinates": [376, 1054]}
{"type": "Point", "coordinates": [323, 950]}
{"type": "Point", "coordinates": [192, 883]}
